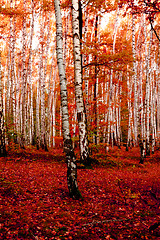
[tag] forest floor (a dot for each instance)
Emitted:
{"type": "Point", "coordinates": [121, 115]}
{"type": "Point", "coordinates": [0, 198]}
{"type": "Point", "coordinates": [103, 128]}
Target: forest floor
{"type": "Point", "coordinates": [121, 198]}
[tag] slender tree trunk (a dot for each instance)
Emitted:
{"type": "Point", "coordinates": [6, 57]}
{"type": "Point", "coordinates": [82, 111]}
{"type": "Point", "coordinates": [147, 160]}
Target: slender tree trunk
{"type": "Point", "coordinates": [29, 76]}
{"type": "Point", "coordinates": [12, 76]}
{"type": "Point", "coordinates": [118, 115]}
{"type": "Point", "coordinates": [158, 96]}
{"type": "Point", "coordinates": [86, 74]}
{"type": "Point", "coordinates": [71, 160]}
{"type": "Point", "coordinates": [4, 100]}
{"type": "Point", "coordinates": [42, 82]}
{"type": "Point", "coordinates": [111, 93]}
{"type": "Point", "coordinates": [142, 117]}
{"type": "Point", "coordinates": [81, 114]}
{"type": "Point", "coordinates": [106, 87]}
{"type": "Point", "coordinates": [95, 88]}
{"type": "Point", "coordinates": [135, 83]}
{"type": "Point", "coordinates": [37, 116]}
{"type": "Point", "coordinates": [53, 114]}
{"type": "Point", "coordinates": [43, 130]}
{"type": "Point", "coordinates": [3, 151]}
{"type": "Point", "coordinates": [18, 113]}
{"type": "Point", "coordinates": [147, 95]}
{"type": "Point", "coordinates": [51, 104]}
{"type": "Point", "coordinates": [10, 57]}
{"type": "Point", "coordinates": [130, 115]}
{"type": "Point", "coordinates": [24, 80]}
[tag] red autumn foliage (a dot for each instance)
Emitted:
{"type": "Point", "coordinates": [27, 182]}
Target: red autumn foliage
{"type": "Point", "coordinates": [121, 199]}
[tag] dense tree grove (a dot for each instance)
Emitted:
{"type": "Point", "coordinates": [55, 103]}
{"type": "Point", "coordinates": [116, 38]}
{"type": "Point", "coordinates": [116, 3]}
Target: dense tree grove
{"type": "Point", "coordinates": [115, 95]}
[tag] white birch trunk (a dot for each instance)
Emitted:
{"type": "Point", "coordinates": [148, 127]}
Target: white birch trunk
{"type": "Point", "coordinates": [24, 80]}
{"type": "Point", "coordinates": [42, 81]}
{"type": "Point", "coordinates": [135, 83]}
{"type": "Point", "coordinates": [158, 98]}
{"type": "Point", "coordinates": [106, 87]}
{"type": "Point", "coordinates": [3, 151]}
{"type": "Point", "coordinates": [84, 150]}
{"type": "Point", "coordinates": [147, 97]}
{"type": "Point", "coordinates": [86, 72]}
{"type": "Point", "coordinates": [130, 115]}
{"type": "Point", "coordinates": [37, 116]}
{"type": "Point", "coordinates": [18, 113]}
{"type": "Point", "coordinates": [142, 117]}
{"type": "Point", "coordinates": [71, 161]}
{"type": "Point", "coordinates": [29, 76]}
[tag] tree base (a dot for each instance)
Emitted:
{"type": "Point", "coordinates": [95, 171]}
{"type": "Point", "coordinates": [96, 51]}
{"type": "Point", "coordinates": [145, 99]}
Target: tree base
{"type": "Point", "coordinates": [75, 194]}
{"type": "Point", "coordinates": [141, 161]}
{"type": "Point", "coordinates": [3, 153]}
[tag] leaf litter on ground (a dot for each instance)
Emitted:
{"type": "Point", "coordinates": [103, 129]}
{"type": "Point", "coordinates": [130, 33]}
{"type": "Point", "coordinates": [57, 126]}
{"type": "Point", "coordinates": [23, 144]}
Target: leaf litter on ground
{"type": "Point", "coordinates": [119, 202]}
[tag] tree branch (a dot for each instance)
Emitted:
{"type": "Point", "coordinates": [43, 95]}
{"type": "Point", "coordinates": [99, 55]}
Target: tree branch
{"type": "Point", "coordinates": [153, 5]}
{"type": "Point", "coordinates": [154, 29]}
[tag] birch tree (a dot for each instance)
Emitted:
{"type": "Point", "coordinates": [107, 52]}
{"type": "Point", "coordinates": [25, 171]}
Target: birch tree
{"type": "Point", "coordinates": [135, 82]}
{"type": "Point", "coordinates": [70, 156]}
{"type": "Point", "coordinates": [42, 81]}
{"type": "Point", "coordinates": [29, 73]}
{"type": "Point", "coordinates": [3, 152]}
{"type": "Point", "coordinates": [81, 116]}
{"type": "Point", "coordinates": [147, 96]}
{"type": "Point", "coordinates": [24, 35]}
{"type": "Point", "coordinates": [96, 88]}
{"type": "Point", "coordinates": [158, 97]}
{"type": "Point", "coordinates": [110, 110]}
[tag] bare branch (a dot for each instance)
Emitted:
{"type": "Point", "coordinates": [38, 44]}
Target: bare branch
{"type": "Point", "coordinates": [154, 29]}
